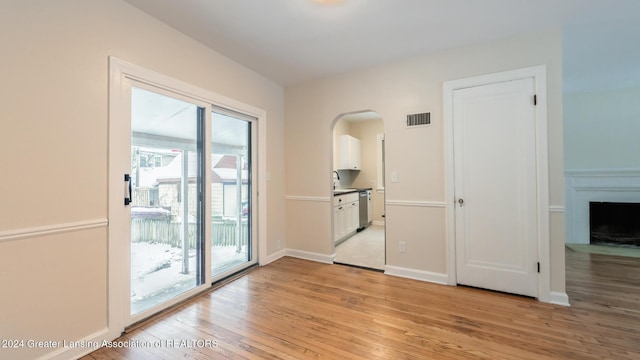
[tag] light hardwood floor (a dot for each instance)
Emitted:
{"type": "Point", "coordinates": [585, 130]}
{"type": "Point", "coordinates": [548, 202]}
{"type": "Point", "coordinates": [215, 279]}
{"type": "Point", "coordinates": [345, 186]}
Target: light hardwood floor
{"type": "Point", "coordinates": [297, 309]}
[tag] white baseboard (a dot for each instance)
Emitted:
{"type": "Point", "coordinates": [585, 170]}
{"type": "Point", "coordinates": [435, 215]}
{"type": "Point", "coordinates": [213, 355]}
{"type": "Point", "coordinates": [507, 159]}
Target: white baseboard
{"type": "Point", "coordinates": [273, 257]}
{"type": "Point", "coordinates": [326, 259]}
{"type": "Point", "coordinates": [421, 275]}
{"type": "Point", "coordinates": [83, 346]}
{"type": "Point", "coordinates": [559, 298]}
{"type": "Point", "coordinates": [379, 223]}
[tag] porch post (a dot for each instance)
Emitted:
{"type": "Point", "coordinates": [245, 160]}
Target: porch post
{"type": "Point", "coordinates": [185, 211]}
{"type": "Point", "coordinates": [238, 202]}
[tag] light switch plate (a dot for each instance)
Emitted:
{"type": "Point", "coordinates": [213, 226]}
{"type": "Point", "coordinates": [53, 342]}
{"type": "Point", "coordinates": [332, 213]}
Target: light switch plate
{"type": "Point", "coordinates": [394, 176]}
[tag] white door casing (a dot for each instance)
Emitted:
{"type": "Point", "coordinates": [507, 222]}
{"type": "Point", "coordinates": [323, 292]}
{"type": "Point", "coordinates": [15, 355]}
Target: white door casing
{"type": "Point", "coordinates": [500, 170]}
{"type": "Point", "coordinates": [494, 143]}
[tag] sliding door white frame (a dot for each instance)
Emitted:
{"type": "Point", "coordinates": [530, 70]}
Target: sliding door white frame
{"type": "Point", "coordinates": [122, 75]}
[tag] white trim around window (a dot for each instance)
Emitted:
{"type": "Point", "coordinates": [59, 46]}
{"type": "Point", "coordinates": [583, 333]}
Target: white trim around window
{"type": "Point", "coordinates": [121, 73]}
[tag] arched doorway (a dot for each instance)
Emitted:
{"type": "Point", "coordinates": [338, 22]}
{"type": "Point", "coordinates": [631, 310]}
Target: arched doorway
{"type": "Point", "coordinates": [358, 190]}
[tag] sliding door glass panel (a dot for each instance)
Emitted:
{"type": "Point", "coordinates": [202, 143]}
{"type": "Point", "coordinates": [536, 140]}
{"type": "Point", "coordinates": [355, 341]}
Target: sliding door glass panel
{"type": "Point", "coordinates": [231, 200]}
{"type": "Point", "coordinates": [166, 211]}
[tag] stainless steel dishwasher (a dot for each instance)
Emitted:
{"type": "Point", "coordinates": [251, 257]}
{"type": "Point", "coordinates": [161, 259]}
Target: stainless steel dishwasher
{"type": "Point", "coordinates": [364, 209]}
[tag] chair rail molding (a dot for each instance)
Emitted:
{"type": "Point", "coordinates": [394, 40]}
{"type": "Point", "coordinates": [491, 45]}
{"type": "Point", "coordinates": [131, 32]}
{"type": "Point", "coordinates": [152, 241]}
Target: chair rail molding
{"type": "Point", "coordinates": [414, 203]}
{"type": "Point", "coordinates": [46, 230]}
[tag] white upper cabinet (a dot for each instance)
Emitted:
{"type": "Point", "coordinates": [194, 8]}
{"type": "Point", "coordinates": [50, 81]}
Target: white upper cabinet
{"type": "Point", "coordinates": [348, 153]}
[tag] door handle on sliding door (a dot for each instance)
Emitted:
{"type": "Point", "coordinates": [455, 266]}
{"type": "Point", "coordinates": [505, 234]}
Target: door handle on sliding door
{"type": "Point", "coordinates": [127, 181]}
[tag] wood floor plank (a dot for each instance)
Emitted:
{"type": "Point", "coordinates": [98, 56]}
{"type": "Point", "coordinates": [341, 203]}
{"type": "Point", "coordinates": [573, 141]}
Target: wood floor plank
{"type": "Point", "coordinates": [297, 309]}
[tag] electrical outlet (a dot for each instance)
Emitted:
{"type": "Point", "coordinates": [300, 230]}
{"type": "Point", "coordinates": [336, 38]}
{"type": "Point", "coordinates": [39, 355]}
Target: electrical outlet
{"type": "Point", "coordinates": [402, 246]}
{"type": "Point", "coordinates": [279, 244]}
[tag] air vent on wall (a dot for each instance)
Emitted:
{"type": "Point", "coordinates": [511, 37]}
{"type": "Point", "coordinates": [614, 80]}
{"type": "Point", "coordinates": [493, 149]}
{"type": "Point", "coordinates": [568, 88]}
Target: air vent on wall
{"type": "Point", "coordinates": [423, 119]}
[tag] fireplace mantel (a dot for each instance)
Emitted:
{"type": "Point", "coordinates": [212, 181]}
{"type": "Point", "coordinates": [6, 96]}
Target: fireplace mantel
{"type": "Point", "coordinates": [583, 186]}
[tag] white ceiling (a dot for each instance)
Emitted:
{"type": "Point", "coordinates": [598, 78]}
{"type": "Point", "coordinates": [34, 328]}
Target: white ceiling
{"type": "Point", "coordinates": [292, 41]}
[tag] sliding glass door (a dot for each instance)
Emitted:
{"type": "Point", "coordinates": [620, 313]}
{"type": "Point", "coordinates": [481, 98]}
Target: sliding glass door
{"type": "Point", "coordinates": [231, 192]}
{"type": "Point", "coordinates": [166, 183]}
{"type": "Point", "coordinates": [183, 191]}
{"type": "Point", "coordinates": [189, 197]}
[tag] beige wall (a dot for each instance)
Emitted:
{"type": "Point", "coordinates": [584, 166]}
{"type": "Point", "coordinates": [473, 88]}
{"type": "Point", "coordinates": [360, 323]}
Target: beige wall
{"type": "Point", "coordinates": [417, 155]}
{"type": "Point", "coordinates": [53, 149]}
{"type": "Point", "coordinates": [602, 129]}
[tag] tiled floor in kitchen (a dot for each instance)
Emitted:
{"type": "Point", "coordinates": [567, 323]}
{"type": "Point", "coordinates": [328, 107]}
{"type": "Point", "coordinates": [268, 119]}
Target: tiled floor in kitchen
{"type": "Point", "coordinates": [365, 249]}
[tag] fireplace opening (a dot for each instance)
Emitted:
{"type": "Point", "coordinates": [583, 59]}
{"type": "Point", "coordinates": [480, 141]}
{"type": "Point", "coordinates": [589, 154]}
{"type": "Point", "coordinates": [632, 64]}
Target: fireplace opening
{"type": "Point", "coordinates": [613, 223]}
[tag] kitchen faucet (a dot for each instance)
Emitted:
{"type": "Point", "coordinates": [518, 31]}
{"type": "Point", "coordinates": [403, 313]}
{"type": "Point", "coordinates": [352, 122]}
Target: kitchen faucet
{"type": "Point", "coordinates": [334, 180]}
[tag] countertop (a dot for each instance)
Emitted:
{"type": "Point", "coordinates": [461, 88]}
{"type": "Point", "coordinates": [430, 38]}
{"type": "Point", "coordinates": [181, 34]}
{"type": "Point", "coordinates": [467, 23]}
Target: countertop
{"type": "Point", "coordinates": [337, 192]}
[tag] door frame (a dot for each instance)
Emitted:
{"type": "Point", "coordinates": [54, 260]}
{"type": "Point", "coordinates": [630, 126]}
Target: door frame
{"type": "Point", "coordinates": [539, 75]}
{"type": "Point", "coordinates": [380, 186]}
{"type": "Point", "coordinates": [120, 75]}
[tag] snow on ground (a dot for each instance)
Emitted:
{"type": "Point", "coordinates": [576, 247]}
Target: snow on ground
{"type": "Point", "coordinates": [155, 267]}
{"type": "Point", "coordinates": [156, 271]}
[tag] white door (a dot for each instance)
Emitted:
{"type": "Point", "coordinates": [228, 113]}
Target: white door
{"type": "Point", "coordinates": [494, 135]}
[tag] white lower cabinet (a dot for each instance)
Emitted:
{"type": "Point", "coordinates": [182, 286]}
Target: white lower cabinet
{"type": "Point", "coordinates": [339, 218]}
{"type": "Point", "coordinates": [345, 216]}
{"type": "Point", "coordinates": [353, 210]}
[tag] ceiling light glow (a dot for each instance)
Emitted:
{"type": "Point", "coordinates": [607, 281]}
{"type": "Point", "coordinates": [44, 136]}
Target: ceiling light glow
{"type": "Point", "coordinates": [328, 1]}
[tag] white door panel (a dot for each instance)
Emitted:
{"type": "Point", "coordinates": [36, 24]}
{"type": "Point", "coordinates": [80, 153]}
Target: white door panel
{"type": "Point", "coordinates": [495, 177]}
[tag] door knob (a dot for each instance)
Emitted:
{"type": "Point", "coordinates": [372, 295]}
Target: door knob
{"type": "Point", "coordinates": [460, 201]}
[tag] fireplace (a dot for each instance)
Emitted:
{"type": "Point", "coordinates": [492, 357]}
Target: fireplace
{"type": "Point", "coordinates": [614, 223]}
{"type": "Point", "coordinates": [583, 187]}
